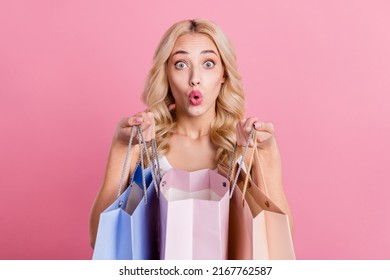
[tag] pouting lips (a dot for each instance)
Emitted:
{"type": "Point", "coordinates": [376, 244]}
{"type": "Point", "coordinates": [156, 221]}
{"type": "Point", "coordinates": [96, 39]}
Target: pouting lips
{"type": "Point", "coordinates": [195, 97]}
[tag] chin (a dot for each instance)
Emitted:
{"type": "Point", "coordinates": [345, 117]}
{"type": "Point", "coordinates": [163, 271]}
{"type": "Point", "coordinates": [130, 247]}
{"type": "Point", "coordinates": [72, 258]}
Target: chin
{"type": "Point", "coordinates": [196, 111]}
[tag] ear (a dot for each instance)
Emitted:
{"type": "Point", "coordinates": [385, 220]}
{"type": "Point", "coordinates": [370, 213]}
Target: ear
{"type": "Point", "coordinates": [172, 107]}
{"type": "Point", "coordinates": [224, 78]}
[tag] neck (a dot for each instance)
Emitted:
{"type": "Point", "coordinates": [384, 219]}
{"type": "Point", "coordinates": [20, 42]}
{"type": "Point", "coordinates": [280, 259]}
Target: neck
{"type": "Point", "coordinates": [194, 127]}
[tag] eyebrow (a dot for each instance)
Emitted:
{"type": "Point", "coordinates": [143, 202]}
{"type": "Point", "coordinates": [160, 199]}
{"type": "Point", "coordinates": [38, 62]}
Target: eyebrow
{"type": "Point", "coordinates": [185, 52]}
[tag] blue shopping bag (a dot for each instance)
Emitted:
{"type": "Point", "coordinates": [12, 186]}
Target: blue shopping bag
{"type": "Point", "coordinates": [128, 228]}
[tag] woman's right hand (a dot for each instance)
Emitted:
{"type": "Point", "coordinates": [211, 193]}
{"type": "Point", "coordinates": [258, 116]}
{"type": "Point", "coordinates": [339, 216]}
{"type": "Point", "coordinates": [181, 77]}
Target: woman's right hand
{"type": "Point", "coordinates": [111, 182]}
{"type": "Point", "coordinates": [143, 119]}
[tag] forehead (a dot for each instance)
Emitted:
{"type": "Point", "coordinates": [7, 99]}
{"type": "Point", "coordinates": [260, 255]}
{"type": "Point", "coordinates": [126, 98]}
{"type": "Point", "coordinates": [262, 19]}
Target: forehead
{"type": "Point", "coordinates": [194, 42]}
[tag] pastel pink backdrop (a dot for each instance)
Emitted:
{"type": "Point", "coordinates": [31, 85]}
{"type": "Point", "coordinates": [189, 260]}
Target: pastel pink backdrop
{"type": "Point", "coordinates": [319, 70]}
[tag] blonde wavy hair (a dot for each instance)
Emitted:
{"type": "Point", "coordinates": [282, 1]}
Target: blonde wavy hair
{"type": "Point", "coordinates": [230, 105]}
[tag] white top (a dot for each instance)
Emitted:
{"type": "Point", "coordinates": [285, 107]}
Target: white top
{"type": "Point", "coordinates": [165, 165]}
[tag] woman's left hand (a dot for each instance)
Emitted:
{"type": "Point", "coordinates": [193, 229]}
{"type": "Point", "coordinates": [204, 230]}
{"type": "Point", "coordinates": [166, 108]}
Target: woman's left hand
{"type": "Point", "coordinates": [265, 133]}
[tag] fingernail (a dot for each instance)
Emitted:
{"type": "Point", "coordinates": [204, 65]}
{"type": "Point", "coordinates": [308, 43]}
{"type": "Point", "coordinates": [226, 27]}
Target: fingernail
{"type": "Point", "coordinates": [257, 125]}
{"type": "Point", "coordinates": [139, 119]}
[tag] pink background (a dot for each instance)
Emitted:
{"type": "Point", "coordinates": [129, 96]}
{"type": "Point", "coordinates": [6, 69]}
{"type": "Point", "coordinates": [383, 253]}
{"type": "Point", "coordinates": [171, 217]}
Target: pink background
{"type": "Point", "coordinates": [319, 70]}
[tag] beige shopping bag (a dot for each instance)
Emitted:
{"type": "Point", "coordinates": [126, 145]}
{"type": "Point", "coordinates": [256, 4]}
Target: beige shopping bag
{"type": "Point", "coordinates": [258, 229]}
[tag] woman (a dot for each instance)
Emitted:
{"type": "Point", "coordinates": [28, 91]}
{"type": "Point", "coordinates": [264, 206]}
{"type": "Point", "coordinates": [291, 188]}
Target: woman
{"type": "Point", "coordinates": [195, 109]}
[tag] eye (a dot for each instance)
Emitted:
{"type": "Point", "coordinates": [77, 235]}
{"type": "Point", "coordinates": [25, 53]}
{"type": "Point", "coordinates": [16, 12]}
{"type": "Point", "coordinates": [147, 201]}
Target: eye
{"type": "Point", "coordinates": [209, 64]}
{"type": "Point", "coordinates": [180, 65]}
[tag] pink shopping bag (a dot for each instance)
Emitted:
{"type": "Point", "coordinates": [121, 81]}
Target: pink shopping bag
{"type": "Point", "coordinates": [194, 212]}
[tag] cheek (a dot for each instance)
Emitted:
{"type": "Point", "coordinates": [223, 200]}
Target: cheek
{"type": "Point", "coordinates": [216, 79]}
{"type": "Point", "coordinates": [217, 76]}
{"type": "Point", "coordinates": [176, 80]}
{"type": "Point", "coordinates": [176, 86]}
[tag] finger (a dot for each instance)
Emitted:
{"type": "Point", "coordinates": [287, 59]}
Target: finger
{"type": "Point", "coordinates": [142, 118]}
{"type": "Point", "coordinates": [263, 136]}
{"type": "Point", "coordinates": [137, 119]}
{"type": "Point", "coordinates": [146, 122]}
{"type": "Point", "coordinates": [123, 129]}
{"type": "Point", "coordinates": [265, 132]}
{"type": "Point", "coordinates": [249, 122]}
{"type": "Point", "coordinates": [127, 122]}
{"type": "Point", "coordinates": [243, 129]}
{"type": "Point", "coordinates": [263, 126]}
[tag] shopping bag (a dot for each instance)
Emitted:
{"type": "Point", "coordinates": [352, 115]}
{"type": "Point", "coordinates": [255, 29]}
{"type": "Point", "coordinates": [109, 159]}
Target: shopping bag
{"type": "Point", "coordinates": [194, 210]}
{"type": "Point", "coordinates": [258, 229]}
{"type": "Point", "coordinates": [128, 228]}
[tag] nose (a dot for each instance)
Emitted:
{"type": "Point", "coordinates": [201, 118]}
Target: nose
{"type": "Point", "coordinates": [194, 83]}
{"type": "Point", "coordinates": [195, 78]}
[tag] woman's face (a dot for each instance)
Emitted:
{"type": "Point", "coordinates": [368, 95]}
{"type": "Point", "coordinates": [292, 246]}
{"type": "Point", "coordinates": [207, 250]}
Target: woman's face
{"type": "Point", "coordinates": [195, 74]}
